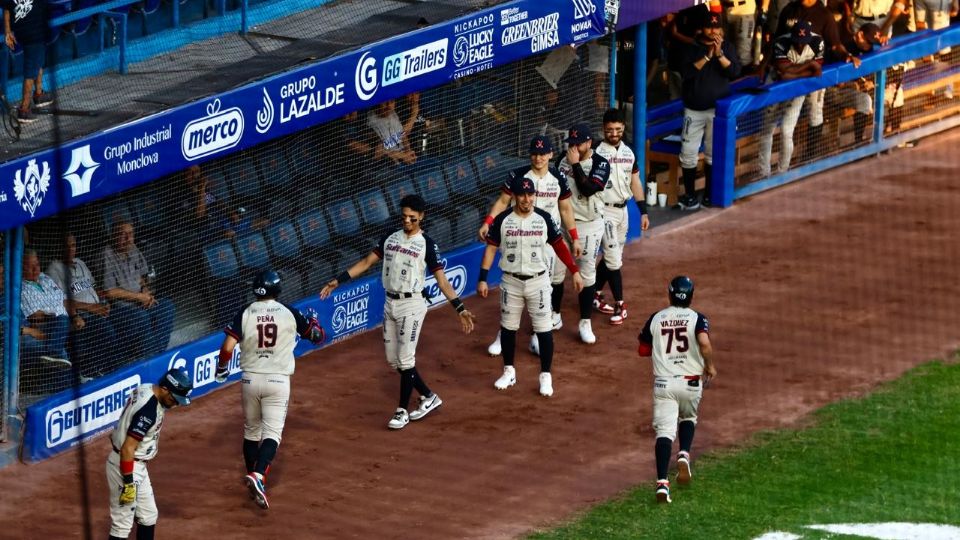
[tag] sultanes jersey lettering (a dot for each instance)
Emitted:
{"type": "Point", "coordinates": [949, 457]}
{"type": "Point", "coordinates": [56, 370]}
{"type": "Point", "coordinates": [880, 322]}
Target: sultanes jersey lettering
{"type": "Point", "coordinates": [523, 240]}
{"type": "Point", "coordinates": [267, 331]}
{"type": "Point", "coordinates": [672, 332]}
{"type": "Point", "coordinates": [551, 188]}
{"type": "Point", "coordinates": [142, 418]}
{"type": "Point", "coordinates": [623, 164]}
{"type": "Point", "coordinates": [406, 259]}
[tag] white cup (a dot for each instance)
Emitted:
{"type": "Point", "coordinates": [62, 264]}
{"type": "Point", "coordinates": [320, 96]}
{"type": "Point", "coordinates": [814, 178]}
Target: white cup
{"type": "Point", "coordinates": [662, 197]}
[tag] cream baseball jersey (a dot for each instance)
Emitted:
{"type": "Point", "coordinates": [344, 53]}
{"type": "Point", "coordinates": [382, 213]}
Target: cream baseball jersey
{"type": "Point", "coordinates": [623, 165]}
{"type": "Point", "coordinates": [142, 418]}
{"type": "Point", "coordinates": [672, 333]}
{"type": "Point", "coordinates": [267, 331]}
{"type": "Point", "coordinates": [406, 260]}
{"type": "Point", "coordinates": [523, 240]}
{"type": "Point", "coordinates": [587, 198]}
{"type": "Point", "coordinates": [551, 188]}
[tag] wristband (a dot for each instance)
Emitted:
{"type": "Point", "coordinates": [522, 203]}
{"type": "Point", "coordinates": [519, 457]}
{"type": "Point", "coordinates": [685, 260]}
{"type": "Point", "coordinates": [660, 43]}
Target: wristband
{"type": "Point", "coordinates": [126, 468]}
{"type": "Point", "coordinates": [641, 205]}
{"type": "Point", "coordinates": [458, 305]}
{"type": "Point", "coordinates": [343, 277]}
{"type": "Point", "coordinates": [483, 274]}
{"type": "Point", "coordinates": [488, 220]}
{"type": "Point", "coordinates": [573, 234]}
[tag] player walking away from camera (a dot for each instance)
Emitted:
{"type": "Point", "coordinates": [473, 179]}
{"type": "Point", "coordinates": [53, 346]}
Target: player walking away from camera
{"type": "Point", "coordinates": [267, 332]}
{"type": "Point", "coordinates": [590, 172]}
{"type": "Point", "coordinates": [679, 340]}
{"type": "Point", "coordinates": [407, 254]}
{"type": "Point", "coordinates": [522, 234]}
{"type": "Point", "coordinates": [553, 196]}
{"type": "Point", "coordinates": [624, 185]}
{"type": "Point", "coordinates": [134, 442]}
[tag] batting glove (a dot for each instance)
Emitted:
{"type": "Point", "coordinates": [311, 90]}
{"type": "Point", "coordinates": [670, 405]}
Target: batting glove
{"type": "Point", "coordinates": [128, 494]}
{"type": "Point", "coordinates": [315, 332]}
{"type": "Point", "coordinates": [222, 373]}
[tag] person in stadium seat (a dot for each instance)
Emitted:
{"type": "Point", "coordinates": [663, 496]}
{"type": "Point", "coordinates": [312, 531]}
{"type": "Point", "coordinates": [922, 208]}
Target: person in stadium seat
{"type": "Point", "coordinates": [127, 285]}
{"type": "Point", "coordinates": [98, 346]}
{"type": "Point", "coordinates": [392, 134]}
{"type": "Point", "coordinates": [45, 319]}
{"type": "Point", "coordinates": [25, 24]}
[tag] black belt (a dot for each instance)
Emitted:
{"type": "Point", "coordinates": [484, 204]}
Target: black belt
{"type": "Point", "coordinates": [523, 277]}
{"type": "Point", "coordinates": [869, 17]}
{"type": "Point", "coordinates": [621, 205]}
{"type": "Point", "coordinates": [734, 4]}
{"type": "Point", "coordinates": [118, 452]}
{"type": "Point", "coordinates": [401, 295]}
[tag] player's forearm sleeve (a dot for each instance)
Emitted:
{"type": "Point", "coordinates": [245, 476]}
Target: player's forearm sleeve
{"type": "Point", "coordinates": [563, 253]}
{"type": "Point", "coordinates": [588, 185]}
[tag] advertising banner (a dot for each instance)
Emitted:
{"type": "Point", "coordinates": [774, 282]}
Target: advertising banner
{"type": "Point", "coordinates": [144, 150]}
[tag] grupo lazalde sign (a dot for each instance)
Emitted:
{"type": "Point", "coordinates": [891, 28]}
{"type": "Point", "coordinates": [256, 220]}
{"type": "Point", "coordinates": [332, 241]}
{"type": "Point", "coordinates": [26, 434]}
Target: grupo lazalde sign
{"type": "Point", "coordinates": [139, 152]}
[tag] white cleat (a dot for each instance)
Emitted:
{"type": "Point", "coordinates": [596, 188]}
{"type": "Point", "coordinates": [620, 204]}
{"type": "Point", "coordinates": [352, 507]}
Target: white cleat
{"type": "Point", "coordinates": [586, 332]}
{"type": "Point", "coordinates": [684, 473]}
{"type": "Point", "coordinates": [495, 349]}
{"type": "Point", "coordinates": [508, 379]}
{"type": "Point", "coordinates": [557, 321]}
{"type": "Point", "coordinates": [535, 345]}
{"type": "Point", "coordinates": [427, 405]}
{"type": "Point", "coordinates": [546, 384]}
{"type": "Point", "coordinates": [400, 419]}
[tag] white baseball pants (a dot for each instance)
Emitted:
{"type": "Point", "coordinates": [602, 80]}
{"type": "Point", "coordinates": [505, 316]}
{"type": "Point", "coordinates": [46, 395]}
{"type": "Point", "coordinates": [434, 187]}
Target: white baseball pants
{"type": "Point", "coordinates": [697, 128]}
{"type": "Point", "coordinates": [591, 237]}
{"type": "Point", "coordinates": [144, 509]}
{"type": "Point", "coordinates": [615, 224]}
{"type": "Point", "coordinates": [402, 323]}
{"type": "Point", "coordinates": [265, 397]}
{"type": "Point", "coordinates": [674, 401]}
{"type": "Point", "coordinates": [534, 293]}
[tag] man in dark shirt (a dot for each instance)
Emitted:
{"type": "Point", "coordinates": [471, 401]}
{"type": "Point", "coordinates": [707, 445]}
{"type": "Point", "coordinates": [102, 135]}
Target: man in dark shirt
{"type": "Point", "coordinates": [857, 94]}
{"type": "Point", "coordinates": [25, 23]}
{"type": "Point", "coordinates": [707, 69]}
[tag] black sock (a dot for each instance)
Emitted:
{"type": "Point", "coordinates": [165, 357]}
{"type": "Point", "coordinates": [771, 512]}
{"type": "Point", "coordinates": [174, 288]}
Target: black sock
{"type": "Point", "coordinates": [112, 537]}
{"type": "Point", "coordinates": [546, 350]}
{"type": "Point", "coordinates": [508, 345]}
{"type": "Point", "coordinates": [602, 274]}
{"type": "Point", "coordinates": [707, 176]}
{"type": "Point", "coordinates": [689, 181]}
{"type": "Point", "coordinates": [859, 124]}
{"type": "Point", "coordinates": [145, 532]}
{"type": "Point", "coordinates": [268, 449]}
{"type": "Point", "coordinates": [406, 387]}
{"type": "Point", "coordinates": [662, 451]}
{"type": "Point", "coordinates": [616, 284]}
{"type": "Point", "coordinates": [685, 432]}
{"type": "Point", "coordinates": [586, 301]}
{"type": "Point", "coordinates": [250, 450]}
{"type": "Point", "coordinates": [556, 297]}
{"type": "Point", "coordinates": [418, 383]}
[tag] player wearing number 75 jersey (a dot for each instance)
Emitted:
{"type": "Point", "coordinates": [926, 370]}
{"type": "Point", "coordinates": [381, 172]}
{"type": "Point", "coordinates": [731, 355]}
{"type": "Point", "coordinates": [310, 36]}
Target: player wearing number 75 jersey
{"type": "Point", "coordinates": [267, 332]}
{"type": "Point", "coordinates": [679, 340]}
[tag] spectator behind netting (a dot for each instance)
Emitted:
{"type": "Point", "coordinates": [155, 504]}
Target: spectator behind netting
{"type": "Point", "coordinates": [126, 284]}
{"type": "Point", "coordinates": [883, 13]}
{"type": "Point", "coordinates": [743, 18]}
{"type": "Point", "coordinates": [680, 29]}
{"type": "Point", "coordinates": [708, 67]}
{"type": "Point", "coordinates": [796, 55]}
{"type": "Point", "coordinates": [393, 134]}
{"type": "Point", "coordinates": [24, 24]}
{"type": "Point", "coordinates": [96, 333]}
{"type": "Point", "coordinates": [858, 94]}
{"type": "Point", "coordinates": [45, 319]}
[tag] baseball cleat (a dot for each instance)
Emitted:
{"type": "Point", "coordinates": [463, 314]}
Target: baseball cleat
{"type": "Point", "coordinates": [427, 404]}
{"type": "Point", "coordinates": [546, 384]}
{"type": "Point", "coordinates": [557, 321]}
{"type": "Point", "coordinates": [689, 203]}
{"type": "Point", "coordinates": [494, 349]}
{"type": "Point", "coordinates": [586, 332]}
{"type": "Point", "coordinates": [684, 473]}
{"type": "Point", "coordinates": [619, 314]}
{"type": "Point", "coordinates": [508, 379]}
{"type": "Point", "coordinates": [600, 305]}
{"type": "Point", "coordinates": [663, 491]}
{"type": "Point", "coordinates": [534, 345]}
{"type": "Point", "coordinates": [400, 419]}
{"type": "Point", "coordinates": [259, 493]}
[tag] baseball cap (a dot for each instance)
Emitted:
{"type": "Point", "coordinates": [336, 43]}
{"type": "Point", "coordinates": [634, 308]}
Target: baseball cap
{"type": "Point", "coordinates": [178, 382]}
{"type": "Point", "coordinates": [802, 32]}
{"type": "Point", "coordinates": [579, 133]}
{"type": "Point", "coordinates": [540, 145]}
{"type": "Point", "coordinates": [712, 20]}
{"type": "Point", "coordinates": [522, 184]}
{"type": "Point", "coordinates": [871, 33]}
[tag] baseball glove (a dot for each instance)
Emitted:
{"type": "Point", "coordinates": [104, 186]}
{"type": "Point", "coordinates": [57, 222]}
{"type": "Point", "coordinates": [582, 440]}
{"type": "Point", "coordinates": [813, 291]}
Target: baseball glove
{"type": "Point", "coordinates": [128, 494]}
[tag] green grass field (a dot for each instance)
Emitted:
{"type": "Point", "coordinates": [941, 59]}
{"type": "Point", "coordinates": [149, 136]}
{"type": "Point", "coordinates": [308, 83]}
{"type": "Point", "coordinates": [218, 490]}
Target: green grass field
{"type": "Point", "coordinates": [891, 456]}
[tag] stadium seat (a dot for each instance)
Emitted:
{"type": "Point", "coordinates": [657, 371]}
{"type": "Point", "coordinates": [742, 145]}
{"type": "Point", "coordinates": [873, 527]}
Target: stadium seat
{"type": "Point", "coordinates": [86, 32]}
{"type": "Point", "coordinates": [441, 231]}
{"type": "Point", "coordinates": [218, 186]}
{"type": "Point", "coordinates": [225, 290]}
{"type": "Point", "coordinates": [286, 251]}
{"type": "Point", "coordinates": [192, 11]}
{"type": "Point", "coordinates": [245, 182]}
{"type": "Point", "coordinates": [273, 166]}
{"type": "Point", "coordinates": [467, 223]}
{"type": "Point", "coordinates": [397, 190]}
{"type": "Point", "coordinates": [149, 208]}
{"type": "Point", "coordinates": [253, 256]}
{"type": "Point", "coordinates": [433, 189]}
{"type": "Point", "coordinates": [462, 180]}
{"type": "Point", "coordinates": [373, 210]}
{"type": "Point", "coordinates": [157, 15]}
{"type": "Point", "coordinates": [315, 233]}
{"type": "Point", "coordinates": [343, 216]}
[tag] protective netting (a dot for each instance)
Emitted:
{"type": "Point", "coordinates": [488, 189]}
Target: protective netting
{"type": "Point", "coordinates": [311, 203]}
{"type": "Point", "coordinates": [3, 332]}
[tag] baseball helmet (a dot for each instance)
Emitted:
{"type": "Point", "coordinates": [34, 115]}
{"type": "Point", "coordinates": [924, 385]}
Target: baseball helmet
{"type": "Point", "coordinates": [266, 284]}
{"type": "Point", "coordinates": [680, 291]}
{"type": "Point", "coordinates": [178, 383]}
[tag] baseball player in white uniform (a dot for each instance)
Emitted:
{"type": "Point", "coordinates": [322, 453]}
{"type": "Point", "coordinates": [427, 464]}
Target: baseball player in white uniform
{"type": "Point", "coordinates": [266, 331]}
{"type": "Point", "coordinates": [622, 187]}
{"type": "Point", "coordinates": [407, 255]}
{"type": "Point", "coordinates": [679, 340]}
{"type": "Point", "coordinates": [590, 172]}
{"type": "Point", "coordinates": [741, 16]}
{"type": "Point", "coordinates": [522, 234]}
{"type": "Point", "coordinates": [553, 196]}
{"type": "Point", "coordinates": [134, 442]}
{"type": "Point", "coordinates": [882, 13]}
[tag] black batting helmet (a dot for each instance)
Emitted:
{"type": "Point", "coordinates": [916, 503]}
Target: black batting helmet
{"type": "Point", "coordinates": [266, 284]}
{"type": "Point", "coordinates": [178, 383]}
{"type": "Point", "coordinates": [680, 291]}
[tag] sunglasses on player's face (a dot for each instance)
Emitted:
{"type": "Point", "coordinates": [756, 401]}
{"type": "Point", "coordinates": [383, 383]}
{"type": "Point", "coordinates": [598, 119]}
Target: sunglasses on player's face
{"type": "Point", "coordinates": [411, 219]}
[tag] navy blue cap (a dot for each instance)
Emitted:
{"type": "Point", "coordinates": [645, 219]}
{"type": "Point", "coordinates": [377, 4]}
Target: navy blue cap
{"type": "Point", "coordinates": [802, 32]}
{"type": "Point", "coordinates": [579, 133]}
{"type": "Point", "coordinates": [540, 145]}
{"type": "Point", "coordinates": [522, 184]}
